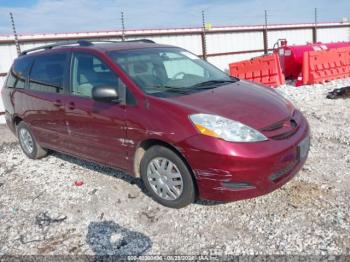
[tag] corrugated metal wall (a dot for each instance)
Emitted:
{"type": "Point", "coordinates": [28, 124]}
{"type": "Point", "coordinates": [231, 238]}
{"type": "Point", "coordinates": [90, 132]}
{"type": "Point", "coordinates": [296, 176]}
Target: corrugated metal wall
{"type": "Point", "coordinates": [333, 34]}
{"type": "Point", "coordinates": [223, 44]}
{"type": "Point", "coordinates": [2, 118]}
{"type": "Point", "coordinates": [232, 42]}
{"type": "Point", "coordinates": [294, 37]}
{"type": "Point", "coordinates": [190, 42]}
{"type": "Point", "coordinates": [223, 61]}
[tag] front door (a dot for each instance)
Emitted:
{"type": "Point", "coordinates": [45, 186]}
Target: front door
{"type": "Point", "coordinates": [96, 130]}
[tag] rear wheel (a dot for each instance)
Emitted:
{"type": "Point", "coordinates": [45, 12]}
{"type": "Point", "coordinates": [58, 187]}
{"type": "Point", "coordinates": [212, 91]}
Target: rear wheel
{"type": "Point", "coordinates": [28, 142]}
{"type": "Point", "coordinates": [167, 177]}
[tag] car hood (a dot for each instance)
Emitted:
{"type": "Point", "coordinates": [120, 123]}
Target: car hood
{"type": "Point", "coordinates": [246, 102]}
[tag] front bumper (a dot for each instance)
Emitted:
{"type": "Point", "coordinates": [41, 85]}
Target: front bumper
{"type": "Point", "coordinates": [227, 171]}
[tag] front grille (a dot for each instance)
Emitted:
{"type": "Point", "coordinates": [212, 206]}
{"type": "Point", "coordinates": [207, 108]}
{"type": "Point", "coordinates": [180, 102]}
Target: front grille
{"type": "Point", "coordinates": [274, 126]}
{"type": "Point", "coordinates": [284, 135]}
{"type": "Point", "coordinates": [284, 128]}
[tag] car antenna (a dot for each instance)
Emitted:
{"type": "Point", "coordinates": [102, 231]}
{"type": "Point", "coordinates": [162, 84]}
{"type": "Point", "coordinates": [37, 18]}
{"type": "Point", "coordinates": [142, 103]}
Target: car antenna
{"type": "Point", "coordinates": [15, 34]}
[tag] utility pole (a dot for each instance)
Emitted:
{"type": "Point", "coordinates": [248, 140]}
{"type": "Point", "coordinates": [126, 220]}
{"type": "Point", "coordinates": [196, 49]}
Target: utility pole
{"type": "Point", "coordinates": [123, 26]}
{"type": "Point", "coordinates": [314, 29]}
{"type": "Point", "coordinates": [266, 44]}
{"type": "Point", "coordinates": [204, 41]}
{"type": "Point", "coordinates": [15, 34]}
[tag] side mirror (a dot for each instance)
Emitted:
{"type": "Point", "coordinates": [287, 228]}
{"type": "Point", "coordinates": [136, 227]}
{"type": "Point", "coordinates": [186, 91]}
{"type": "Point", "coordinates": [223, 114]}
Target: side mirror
{"type": "Point", "coordinates": [105, 94]}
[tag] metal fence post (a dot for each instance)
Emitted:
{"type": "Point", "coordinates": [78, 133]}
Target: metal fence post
{"type": "Point", "coordinates": [123, 25]}
{"type": "Point", "coordinates": [314, 29]}
{"type": "Point", "coordinates": [203, 37]}
{"type": "Point", "coordinates": [265, 36]}
{"type": "Point", "coordinates": [15, 35]}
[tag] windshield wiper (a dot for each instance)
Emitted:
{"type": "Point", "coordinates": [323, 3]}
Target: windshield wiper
{"type": "Point", "coordinates": [174, 89]}
{"type": "Point", "coordinates": [200, 86]}
{"type": "Point", "coordinates": [213, 83]}
{"type": "Point", "coordinates": [168, 87]}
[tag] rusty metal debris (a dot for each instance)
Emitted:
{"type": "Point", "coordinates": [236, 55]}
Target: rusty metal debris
{"type": "Point", "coordinates": [343, 92]}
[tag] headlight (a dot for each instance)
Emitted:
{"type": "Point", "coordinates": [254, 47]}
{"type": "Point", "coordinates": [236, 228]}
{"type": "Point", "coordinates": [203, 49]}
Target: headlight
{"type": "Point", "coordinates": [227, 129]}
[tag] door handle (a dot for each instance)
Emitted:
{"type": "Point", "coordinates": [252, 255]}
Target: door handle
{"type": "Point", "coordinates": [57, 103]}
{"type": "Point", "coordinates": [71, 105]}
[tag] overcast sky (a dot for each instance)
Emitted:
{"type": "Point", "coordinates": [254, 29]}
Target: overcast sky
{"type": "Point", "coordinates": [44, 16]}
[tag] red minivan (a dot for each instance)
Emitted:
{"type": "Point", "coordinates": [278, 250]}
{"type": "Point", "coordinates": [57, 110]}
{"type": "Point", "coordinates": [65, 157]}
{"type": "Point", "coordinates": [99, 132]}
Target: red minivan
{"type": "Point", "coordinates": [158, 112]}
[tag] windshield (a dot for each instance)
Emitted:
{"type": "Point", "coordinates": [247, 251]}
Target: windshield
{"type": "Point", "coordinates": [169, 71]}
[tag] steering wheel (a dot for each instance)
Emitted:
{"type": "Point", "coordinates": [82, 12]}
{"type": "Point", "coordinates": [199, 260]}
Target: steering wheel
{"type": "Point", "coordinates": [177, 75]}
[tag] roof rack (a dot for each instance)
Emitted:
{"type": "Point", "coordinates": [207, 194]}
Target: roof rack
{"type": "Point", "coordinates": [83, 42]}
{"type": "Point", "coordinates": [142, 41]}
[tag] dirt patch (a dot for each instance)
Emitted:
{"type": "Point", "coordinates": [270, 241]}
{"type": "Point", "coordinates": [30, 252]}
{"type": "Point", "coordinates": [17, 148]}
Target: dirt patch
{"type": "Point", "coordinates": [302, 193]}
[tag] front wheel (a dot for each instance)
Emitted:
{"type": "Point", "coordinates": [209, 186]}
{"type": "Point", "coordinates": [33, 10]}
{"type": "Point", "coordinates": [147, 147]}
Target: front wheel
{"type": "Point", "coordinates": [28, 143]}
{"type": "Point", "coordinates": [167, 178]}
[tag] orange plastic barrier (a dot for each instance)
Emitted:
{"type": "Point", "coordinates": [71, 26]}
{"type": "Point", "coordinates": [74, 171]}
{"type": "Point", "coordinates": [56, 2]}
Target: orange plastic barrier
{"type": "Point", "coordinates": [265, 69]}
{"type": "Point", "coordinates": [322, 66]}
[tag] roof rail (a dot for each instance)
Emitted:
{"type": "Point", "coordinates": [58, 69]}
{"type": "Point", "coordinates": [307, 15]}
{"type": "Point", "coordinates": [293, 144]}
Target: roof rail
{"type": "Point", "coordinates": [83, 42]}
{"type": "Point", "coordinates": [142, 41]}
{"type": "Point", "coordinates": [61, 43]}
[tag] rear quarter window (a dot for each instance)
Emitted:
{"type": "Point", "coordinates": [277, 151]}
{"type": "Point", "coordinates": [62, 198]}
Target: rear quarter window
{"type": "Point", "coordinates": [19, 72]}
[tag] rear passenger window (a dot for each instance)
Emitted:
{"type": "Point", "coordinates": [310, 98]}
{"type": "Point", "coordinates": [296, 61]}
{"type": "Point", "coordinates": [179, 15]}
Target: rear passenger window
{"type": "Point", "coordinates": [47, 73]}
{"type": "Point", "coordinates": [89, 71]}
{"type": "Point", "coordinates": [19, 73]}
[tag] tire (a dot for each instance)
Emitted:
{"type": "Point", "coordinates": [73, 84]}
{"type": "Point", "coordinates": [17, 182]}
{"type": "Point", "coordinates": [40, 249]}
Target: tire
{"type": "Point", "coordinates": [163, 171]}
{"type": "Point", "coordinates": [28, 143]}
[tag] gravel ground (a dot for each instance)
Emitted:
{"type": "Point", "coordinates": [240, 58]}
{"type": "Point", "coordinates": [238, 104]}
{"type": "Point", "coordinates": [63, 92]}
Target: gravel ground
{"type": "Point", "coordinates": [43, 212]}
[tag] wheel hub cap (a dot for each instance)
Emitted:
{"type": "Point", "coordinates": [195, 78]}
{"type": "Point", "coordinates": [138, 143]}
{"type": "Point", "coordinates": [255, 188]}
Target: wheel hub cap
{"type": "Point", "coordinates": [26, 141]}
{"type": "Point", "coordinates": [165, 178]}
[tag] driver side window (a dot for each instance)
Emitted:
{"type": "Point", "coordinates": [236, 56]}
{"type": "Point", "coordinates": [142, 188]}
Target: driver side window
{"type": "Point", "coordinates": [89, 71]}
